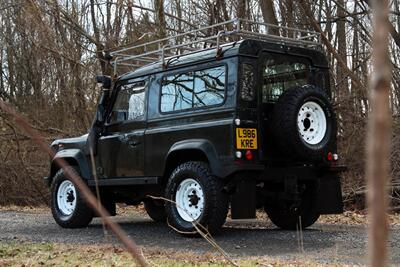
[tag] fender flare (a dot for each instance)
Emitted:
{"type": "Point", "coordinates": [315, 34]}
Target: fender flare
{"type": "Point", "coordinates": [73, 157]}
{"type": "Point", "coordinates": [202, 145]}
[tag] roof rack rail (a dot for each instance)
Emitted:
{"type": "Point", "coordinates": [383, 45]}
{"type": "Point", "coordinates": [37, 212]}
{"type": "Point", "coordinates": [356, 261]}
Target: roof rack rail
{"type": "Point", "coordinates": [210, 37]}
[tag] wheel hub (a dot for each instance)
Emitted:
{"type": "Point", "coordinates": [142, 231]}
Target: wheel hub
{"type": "Point", "coordinates": [312, 123]}
{"type": "Point", "coordinates": [189, 198]}
{"type": "Point", "coordinates": [70, 196]}
{"type": "Point", "coordinates": [193, 198]}
{"type": "Point", "coordinates": [66, 197]}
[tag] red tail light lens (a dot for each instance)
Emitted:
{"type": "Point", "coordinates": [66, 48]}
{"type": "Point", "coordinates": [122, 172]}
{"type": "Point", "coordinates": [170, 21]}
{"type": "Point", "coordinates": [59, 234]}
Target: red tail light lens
{"type": "Point", "coordinates": [249, 155]}
{"type": "Point", "coordinates": [329, 157]}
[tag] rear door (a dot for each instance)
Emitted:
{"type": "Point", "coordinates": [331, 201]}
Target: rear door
{"type": "Point", "coordinates": [121, 147]}
{"type": "Point", "coordinates": [278, 73]}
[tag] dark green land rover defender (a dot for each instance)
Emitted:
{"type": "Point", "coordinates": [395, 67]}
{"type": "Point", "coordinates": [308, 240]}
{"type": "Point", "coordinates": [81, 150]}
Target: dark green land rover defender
{"type": "Point", "coordinates": [238, 119]}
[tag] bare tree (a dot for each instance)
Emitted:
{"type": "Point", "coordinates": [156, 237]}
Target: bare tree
{"type": "Point", "coordinates": [160, 18]}
{"type": "Point", "coordinates": [269, 15]}
{"type": "Point", "coordinates": [378, 142]}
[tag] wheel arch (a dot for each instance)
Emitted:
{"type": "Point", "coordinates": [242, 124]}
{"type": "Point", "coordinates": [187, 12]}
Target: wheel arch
{"type": "Point", "coordinates": [192, 150]}
{"type": "Point", "coordinates": [73, 157]}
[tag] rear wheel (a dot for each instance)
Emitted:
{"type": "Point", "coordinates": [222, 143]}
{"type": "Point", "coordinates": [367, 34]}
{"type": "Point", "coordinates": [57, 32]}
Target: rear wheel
{"type": "Point", "coordinates": [198, 196]}
{"type": "Point", "coordinates": [286, 215]}
{"type": "Point", "coordinates": [155, 209]}
{"type": "Point", "coordinates": [68, 207]}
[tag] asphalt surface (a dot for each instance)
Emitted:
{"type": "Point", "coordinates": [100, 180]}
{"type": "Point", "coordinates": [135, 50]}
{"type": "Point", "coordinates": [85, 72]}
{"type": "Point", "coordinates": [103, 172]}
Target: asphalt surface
{"type": "Point", "coordinates": [324, 243]}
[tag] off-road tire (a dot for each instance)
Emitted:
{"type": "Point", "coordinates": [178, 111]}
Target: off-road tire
{"type": "Point", "coordinates": [155, 209]}
{"type": "Point", "coordinates": [81, 216]}
{"type": "Point", "coordinates": [109, 204]}
{"type": "Point", "coordinates": [291, 220]}
{"type": "Point", "coordinates": [284, 125]}
{"type": "Point", "coordinates": [287, 219]}
{"type": "Point", "coordinates": [216, 202]}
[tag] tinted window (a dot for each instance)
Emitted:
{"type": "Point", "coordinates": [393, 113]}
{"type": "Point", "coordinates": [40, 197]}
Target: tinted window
{"type": "Point", "coordinates": [283, 72]}
{"type": "Point", "coordinates": [129, 104]}
{"type": "Point", "coordinates": [247, 82]}
{"type": "Point", "coordinates": [193, 89]}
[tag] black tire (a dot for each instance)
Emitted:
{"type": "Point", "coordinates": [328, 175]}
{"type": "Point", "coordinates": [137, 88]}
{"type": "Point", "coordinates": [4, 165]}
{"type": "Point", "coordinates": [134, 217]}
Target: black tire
{"type": "Point", "coordinates": [284, 125]}
{"type": "Point", "coordinates": [215, 210]}
{"type": "Point", "coordinates": [81, 216]}
{"type": "Point", "coordinates": [109, 204]}
{"type": "Point", "coordinates": [283, 216]}
{"type": "Point", "coordinates": [155, 209]}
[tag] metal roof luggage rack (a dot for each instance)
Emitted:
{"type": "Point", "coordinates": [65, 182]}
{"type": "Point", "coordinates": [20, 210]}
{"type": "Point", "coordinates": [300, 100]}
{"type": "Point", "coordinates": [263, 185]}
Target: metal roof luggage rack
{"type": "Point", "coordinates": [210, 37]}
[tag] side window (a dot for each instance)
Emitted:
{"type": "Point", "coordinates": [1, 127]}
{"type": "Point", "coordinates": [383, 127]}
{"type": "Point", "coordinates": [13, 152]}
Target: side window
{"type": "Point", "coordinates": [247, 92]}
{"type": "Point", "coordinates": [193, 89]}
{"type": "Point", "coordinates": [177, 92]}
{"type": "Point", "coordinates": [129, 104]}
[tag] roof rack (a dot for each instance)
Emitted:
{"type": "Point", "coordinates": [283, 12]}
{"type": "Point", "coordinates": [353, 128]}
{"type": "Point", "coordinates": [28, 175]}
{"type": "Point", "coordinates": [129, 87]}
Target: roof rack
{"type": "Point", "coordinates": [210, 37]}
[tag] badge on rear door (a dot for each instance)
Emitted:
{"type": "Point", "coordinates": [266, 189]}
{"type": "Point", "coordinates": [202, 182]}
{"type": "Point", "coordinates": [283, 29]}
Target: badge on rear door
{"type": "Point", "coordinates": [246, 138]}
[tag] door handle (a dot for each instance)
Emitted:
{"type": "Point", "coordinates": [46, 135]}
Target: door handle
{"type": "Point", "coordinates": [133, 143]}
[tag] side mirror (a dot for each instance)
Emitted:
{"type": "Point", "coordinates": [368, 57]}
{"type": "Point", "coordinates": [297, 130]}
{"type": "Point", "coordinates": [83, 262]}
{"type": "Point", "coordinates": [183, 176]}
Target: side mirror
{"type": "Point", "coordinates": [104, 80]}
{"type": "Point", "coordinates": [100, 114]}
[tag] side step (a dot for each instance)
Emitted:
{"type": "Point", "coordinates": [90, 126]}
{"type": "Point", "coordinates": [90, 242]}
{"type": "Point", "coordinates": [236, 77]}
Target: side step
{"type": "Point", "coordinates": [124, 181]}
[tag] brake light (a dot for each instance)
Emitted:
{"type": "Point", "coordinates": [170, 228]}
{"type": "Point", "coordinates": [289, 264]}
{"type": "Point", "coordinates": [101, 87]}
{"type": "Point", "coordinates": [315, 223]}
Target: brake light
{"type": "Point", "coordinates": [249, 155]}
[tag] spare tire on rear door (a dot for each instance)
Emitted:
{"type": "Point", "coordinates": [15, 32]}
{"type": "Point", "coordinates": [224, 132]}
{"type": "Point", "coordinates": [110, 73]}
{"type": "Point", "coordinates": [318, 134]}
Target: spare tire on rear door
{"type": "Point", "coordinates": [304, 124]}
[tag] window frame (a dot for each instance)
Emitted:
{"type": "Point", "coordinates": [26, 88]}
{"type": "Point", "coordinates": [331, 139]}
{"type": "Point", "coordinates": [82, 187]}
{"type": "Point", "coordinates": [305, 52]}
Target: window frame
{"type": "Point", "coordinates": [188, 71]}
{"type": "Point", "coordinates": [145, 85]}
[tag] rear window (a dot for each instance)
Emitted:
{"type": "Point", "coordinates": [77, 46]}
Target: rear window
{"type": "Point", "coordinates": [282, 72]}
{"type": "Point", "coordinates": [191, 90]}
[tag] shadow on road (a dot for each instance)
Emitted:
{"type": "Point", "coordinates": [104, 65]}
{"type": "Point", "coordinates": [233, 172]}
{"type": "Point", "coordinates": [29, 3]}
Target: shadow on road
{"type": "Point", "coordinates": [239, 239]}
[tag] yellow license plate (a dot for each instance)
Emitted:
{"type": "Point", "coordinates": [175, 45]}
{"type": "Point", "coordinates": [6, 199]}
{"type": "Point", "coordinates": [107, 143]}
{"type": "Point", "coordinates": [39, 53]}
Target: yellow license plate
{"type": "Point", "coordinates": [246, 138]}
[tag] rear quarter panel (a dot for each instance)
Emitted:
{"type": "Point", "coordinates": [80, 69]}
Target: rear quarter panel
{"type": "Point", "coordinates": [214, 124]}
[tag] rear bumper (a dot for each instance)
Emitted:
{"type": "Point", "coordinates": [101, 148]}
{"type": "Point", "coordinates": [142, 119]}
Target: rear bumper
{"type": "Point", "coordinates": [338, 168]}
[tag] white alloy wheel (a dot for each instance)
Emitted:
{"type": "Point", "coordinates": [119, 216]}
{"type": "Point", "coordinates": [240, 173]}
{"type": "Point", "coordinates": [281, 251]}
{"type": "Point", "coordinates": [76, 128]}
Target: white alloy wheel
{"type": "Point", "coordinates": [66, 197]}
{"type": "Point", "coordinates": [190, 200]}
{"type": "Point", "coordinates": [311, 122]}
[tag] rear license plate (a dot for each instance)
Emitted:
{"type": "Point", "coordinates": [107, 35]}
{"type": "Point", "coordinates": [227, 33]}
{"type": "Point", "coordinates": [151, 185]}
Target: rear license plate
{"type": "Point", "coordinates": [246, 138]}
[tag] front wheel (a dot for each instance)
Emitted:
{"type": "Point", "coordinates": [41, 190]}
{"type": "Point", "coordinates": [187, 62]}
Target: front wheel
{"type": "Point", "coordinates": [197, 198]}
{"type": "Point", "coordinates": [67, 204]}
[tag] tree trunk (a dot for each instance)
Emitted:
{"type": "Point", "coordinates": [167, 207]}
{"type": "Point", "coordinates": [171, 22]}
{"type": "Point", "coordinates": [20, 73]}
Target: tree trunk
{"type": "Point", "coordinates": [341, 76]}
{"type": "Point", "coordinates": [268, 13]}
{"type": "Point", "coordinates": [160, 18]}
{"type": "Point", "coordinates": [378, 142]}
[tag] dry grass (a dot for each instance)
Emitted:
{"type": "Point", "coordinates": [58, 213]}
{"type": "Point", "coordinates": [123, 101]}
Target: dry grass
{"type": "Point", "coordinates": [355, 218]}
{"type": "Point", "coordinates": [45, 254]}
{"type": "Point", "coordinates": [28, 209]}
{"type": "Point", "coordinates": [347, 218]}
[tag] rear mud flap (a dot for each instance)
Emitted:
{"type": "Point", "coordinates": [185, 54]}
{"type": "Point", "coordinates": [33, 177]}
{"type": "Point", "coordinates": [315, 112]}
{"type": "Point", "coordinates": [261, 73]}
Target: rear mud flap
{"type": "Point", "coordinates": [243, 204]}
{"type": "Point", "coordinates": [329, 196]}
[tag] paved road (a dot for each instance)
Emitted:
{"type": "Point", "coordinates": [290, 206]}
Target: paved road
{"type": "Point", "coordinates": [323, 242]}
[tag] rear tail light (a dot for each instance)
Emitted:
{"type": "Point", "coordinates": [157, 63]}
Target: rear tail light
{"type": "Point", "coordinates": [332, 157]}
{"type": "Point", "coordinates": [249, 155]}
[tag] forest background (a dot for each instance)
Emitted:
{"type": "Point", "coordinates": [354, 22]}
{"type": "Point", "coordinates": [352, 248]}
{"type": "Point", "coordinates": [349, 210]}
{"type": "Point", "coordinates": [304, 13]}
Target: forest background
{"type": "Point", "coordinates": [51, 50]}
